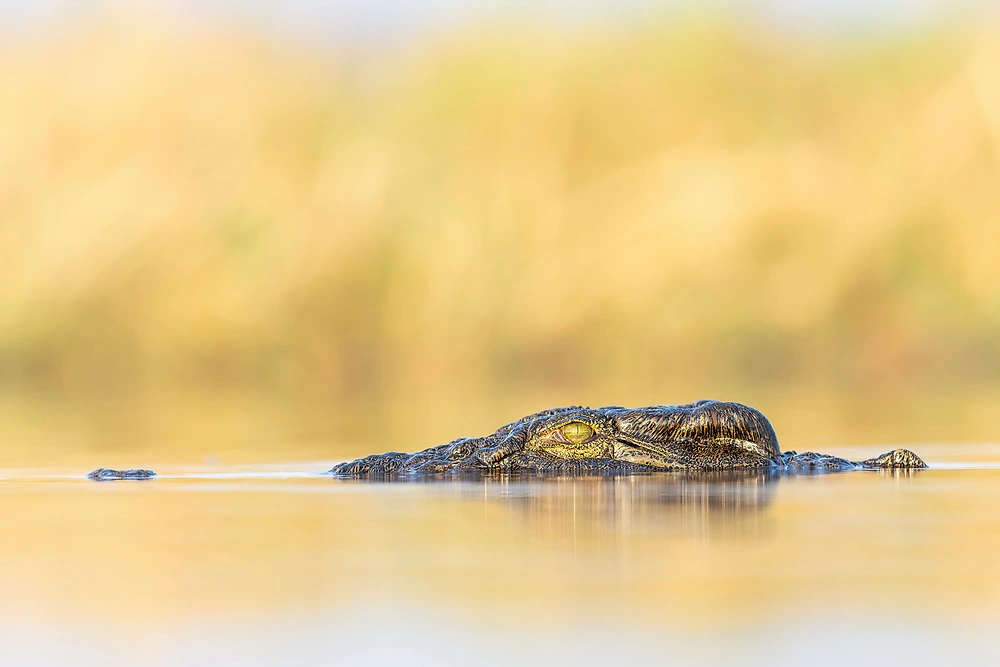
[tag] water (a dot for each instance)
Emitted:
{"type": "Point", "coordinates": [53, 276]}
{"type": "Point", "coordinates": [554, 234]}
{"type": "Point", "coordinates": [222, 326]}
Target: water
{"type": "Point", "coordinates": [277, 565]}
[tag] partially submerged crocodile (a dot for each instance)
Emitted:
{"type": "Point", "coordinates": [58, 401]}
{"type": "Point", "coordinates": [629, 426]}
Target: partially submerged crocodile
{"type": "Point", "coordinates": [705, 435]}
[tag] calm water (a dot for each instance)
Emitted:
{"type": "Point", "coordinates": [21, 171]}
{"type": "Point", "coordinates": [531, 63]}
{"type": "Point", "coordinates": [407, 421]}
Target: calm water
{"type": "Point", "coordinates": [278, 565]}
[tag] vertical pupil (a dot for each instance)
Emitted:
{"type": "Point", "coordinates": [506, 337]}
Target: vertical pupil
{"type": "Point", "coordinates": [577, 431]}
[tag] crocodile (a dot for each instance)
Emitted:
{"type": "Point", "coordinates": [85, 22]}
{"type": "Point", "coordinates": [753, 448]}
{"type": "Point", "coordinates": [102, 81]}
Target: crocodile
{"type": "Point", "coordinates": [699, 436]}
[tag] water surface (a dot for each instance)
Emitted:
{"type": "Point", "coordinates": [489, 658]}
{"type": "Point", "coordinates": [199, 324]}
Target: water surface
{"type": "Point", "coordinates": [280, 565]}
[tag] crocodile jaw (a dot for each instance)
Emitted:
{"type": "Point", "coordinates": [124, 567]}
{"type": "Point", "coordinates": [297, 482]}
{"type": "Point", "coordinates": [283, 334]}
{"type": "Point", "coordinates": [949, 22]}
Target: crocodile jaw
{"type": "Point", "coordinates": [653, 456]}
{"type": "Point", "coordinates": [705, 434]}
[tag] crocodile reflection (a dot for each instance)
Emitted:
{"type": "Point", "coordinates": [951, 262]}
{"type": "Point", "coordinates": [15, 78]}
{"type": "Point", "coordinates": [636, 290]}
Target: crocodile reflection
{"type": "Point", "coordinates": [729, 503]}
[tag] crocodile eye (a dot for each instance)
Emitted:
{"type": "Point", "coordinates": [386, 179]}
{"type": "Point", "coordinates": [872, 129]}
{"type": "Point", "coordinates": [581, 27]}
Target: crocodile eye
{"type": "Point", "coordinates": [577, 432]}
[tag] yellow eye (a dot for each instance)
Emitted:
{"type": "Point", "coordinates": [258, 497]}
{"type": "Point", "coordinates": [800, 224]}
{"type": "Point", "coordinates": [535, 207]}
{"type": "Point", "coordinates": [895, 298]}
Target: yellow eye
{"type": "Point", "coordinates": [577, 432]}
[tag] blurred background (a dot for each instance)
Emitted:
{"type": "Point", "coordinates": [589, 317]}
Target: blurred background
{"type": "Point", "coordinates": [269, 232]}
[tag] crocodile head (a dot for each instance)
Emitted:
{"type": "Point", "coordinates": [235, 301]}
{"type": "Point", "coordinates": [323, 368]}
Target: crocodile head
{"type": "Point", "coordinates": [704, 435]}
{"type": "Point", "coordinates": [701, 435]}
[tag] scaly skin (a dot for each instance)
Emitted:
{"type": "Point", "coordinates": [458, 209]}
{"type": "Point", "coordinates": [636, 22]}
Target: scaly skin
{"type": "Point", "coordinates": [706, 435]}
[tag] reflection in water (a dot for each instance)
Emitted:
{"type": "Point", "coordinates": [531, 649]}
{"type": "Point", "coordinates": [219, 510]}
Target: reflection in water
{"type": "Point", "coordinates": [667, 555]}
{"type": "Point", "coordinates": [713, 504]}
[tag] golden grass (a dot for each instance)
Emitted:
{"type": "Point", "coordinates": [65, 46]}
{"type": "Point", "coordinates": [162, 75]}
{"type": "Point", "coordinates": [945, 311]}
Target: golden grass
{"type": "Point", "coordinates": [658, 210]}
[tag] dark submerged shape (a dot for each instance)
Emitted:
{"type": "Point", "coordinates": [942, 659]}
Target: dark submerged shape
{"type": "Point", "coordinates": [108, 474]}
{"type": "Point", "coordinates": [705, 435]}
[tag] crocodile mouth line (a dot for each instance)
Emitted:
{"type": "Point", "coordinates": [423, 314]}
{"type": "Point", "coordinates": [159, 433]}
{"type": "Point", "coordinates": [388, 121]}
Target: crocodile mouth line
{"type": "Point", "coordinates": [645, 445]}
{"type": "Point", "coordinates": [673, 453]}
{"type": "Point", "coordinates": [664, 455]}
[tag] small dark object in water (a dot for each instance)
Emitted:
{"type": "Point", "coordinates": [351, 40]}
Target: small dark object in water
{"type": "Point", "coordinates": [108, 474]}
